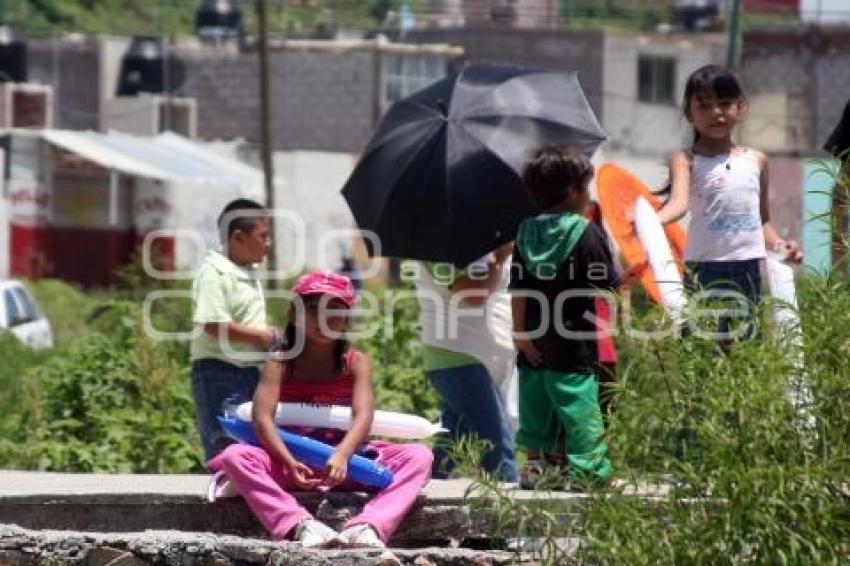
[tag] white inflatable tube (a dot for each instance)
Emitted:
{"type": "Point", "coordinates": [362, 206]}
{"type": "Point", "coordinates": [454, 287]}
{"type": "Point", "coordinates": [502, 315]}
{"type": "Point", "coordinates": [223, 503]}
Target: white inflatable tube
{"type": "Point", "coordinates": [384, 423]}
{"type": "Point", "coordinates": [661, 261]}
{"type": "Point", "coordinates": [780, 278]}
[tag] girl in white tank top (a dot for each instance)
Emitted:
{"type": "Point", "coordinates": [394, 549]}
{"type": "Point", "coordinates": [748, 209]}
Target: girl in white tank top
{"type": "Point", "coordinates": [726, 223]}
{"type": "Point", "coordinates": [725, 187]}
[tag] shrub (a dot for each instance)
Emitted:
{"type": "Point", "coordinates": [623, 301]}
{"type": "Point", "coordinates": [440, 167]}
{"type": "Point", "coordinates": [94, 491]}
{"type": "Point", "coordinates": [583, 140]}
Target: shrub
{"type": "Point", "coordinates": [66, 306]}
{"type": "Point", "coordinates": [112, 399]}
{"type": "Point", "coordinates": [113, 402]}
{"type": "Point", "coordinates": [737, 479]}
{"type": "Point", "coordinates": [747, 482]}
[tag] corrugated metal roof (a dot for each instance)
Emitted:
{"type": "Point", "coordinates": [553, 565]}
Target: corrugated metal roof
{"type": "Point", "coordinates": [167, 157]}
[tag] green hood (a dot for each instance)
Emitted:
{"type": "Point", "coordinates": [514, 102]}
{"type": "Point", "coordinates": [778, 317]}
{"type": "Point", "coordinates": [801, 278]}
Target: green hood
{"type": "Point", "coordinates": [546, 241]}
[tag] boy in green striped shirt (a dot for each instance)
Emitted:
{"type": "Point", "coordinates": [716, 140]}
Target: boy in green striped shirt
{"type": "Point", "coordinates": [231, 334]}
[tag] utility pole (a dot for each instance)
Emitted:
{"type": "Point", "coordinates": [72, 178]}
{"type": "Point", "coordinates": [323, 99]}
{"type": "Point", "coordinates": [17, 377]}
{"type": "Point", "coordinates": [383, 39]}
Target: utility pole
{"type": "Point", "coordinates": [260, 7]}
{"type": "Point", "coordinates": [734, 26]}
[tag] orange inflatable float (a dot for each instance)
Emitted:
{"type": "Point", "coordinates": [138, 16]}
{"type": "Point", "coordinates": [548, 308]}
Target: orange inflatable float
{"type": "Point", "coordinates": [617, 191]}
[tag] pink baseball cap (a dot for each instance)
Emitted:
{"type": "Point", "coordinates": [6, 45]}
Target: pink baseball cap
{"type": "Point", "coordinates": [326, 282]}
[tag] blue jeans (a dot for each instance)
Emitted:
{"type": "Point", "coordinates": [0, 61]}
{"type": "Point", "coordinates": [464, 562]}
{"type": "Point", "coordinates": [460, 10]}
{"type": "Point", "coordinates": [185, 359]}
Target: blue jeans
{"type": "Point", "coordinates": [471, 404]}
{"type": "Point", "coordinates": [213, 382]}
{"type": "Point", "coordinates": [740, 276]}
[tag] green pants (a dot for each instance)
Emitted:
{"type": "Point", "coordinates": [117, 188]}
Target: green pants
{"type": "Point", "coordinates": [550, 401]}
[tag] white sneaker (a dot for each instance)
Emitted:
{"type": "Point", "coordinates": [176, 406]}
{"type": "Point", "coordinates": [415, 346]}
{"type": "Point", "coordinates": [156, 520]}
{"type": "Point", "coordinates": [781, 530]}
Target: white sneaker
{"type": "Point", "coordinates": [362, 535]}
{"type": "Point", "coordinates": [315, 534]}
{"type": "Point", "coordinates": [220, 488]}
{"type": "Point", "coordinates": [524, 544]}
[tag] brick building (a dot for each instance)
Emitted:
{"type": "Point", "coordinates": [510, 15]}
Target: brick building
{"type": "Point", "coordinates": [797, 81]}
{"type": "Point", "coordinates": [73, 68]}
{"type": "Point", "coordinates": [327, 95]}
{"type": "Point", "coordinates": [525, 14]}
{"type": "Point", "coordinates": [565, 49]}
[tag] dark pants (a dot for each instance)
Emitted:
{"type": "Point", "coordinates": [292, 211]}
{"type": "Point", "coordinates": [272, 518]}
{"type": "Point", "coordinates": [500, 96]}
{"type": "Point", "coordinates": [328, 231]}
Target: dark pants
{"type": "Point", "coordinates": [213, 382]}
{"type": "Point", "coordinates": [471, 404]}
{"type": "Point", "coordinates": [741, 277]}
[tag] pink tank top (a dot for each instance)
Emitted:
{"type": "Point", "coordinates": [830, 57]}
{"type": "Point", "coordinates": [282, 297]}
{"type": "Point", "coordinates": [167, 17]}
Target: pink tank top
{"type": "Point", "coordinates": [336, 391]}
{"type": "Point", "coordinates": [725, 210]}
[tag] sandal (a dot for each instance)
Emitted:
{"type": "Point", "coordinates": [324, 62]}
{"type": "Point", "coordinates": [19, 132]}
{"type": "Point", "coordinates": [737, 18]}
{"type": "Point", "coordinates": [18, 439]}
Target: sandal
{"type": "Point", "coordinates": [531, 473]}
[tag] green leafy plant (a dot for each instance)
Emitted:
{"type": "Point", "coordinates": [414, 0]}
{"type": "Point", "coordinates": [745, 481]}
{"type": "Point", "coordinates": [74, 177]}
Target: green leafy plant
{"type": "Point", "coordinates": [113, 402]}
{"type": "Point", "coordinates": [742, 481]}
{"type": "Point", "coordinates": [713, 466]}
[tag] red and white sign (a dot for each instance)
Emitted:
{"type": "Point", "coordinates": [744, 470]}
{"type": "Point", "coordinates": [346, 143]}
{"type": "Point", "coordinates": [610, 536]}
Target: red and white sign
{"type": "Point", "coordinates": [28, 200]}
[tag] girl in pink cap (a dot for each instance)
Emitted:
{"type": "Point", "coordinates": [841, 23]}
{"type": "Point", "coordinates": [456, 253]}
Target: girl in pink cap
{"type": "Point", "coordinates": [314, 364]}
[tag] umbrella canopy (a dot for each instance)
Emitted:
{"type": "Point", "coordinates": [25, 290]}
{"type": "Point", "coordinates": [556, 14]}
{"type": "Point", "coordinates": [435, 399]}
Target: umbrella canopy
{"type": "Point", "coordinates": [441, 177]}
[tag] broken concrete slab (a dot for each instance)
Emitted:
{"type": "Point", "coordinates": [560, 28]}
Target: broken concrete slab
{"type": "Point", "coordinates": [22, 547]}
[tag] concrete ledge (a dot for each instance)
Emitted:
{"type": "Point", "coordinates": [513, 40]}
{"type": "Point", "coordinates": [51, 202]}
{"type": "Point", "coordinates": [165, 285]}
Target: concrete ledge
{"type": "Point", "coordinates": [129, 503]}
{"type": "Point", "coordinates": [22, 547]}
{"type": "Point", "coordinates": [134, 503]}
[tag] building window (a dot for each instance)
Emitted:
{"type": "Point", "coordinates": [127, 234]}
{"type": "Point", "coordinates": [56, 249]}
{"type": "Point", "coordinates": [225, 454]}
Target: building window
{"type": "Point", "coordinates": [656, 79]}
{"type": "Point", "coordinates": [406, 74]}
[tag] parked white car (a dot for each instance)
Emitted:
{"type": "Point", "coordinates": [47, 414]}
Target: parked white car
{"type": "Point", "coordinates": [19, 313]}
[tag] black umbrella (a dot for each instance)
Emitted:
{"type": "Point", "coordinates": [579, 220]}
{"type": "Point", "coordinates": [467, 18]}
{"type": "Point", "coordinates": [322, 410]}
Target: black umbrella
{"type": "Point", "coordinates": [440, 178]}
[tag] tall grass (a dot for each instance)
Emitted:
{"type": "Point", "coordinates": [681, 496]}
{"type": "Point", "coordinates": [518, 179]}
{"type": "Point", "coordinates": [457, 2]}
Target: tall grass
{"type": "Point", "coordinates": [710, 432]}
{"type": "Point", "coordinates": [747, 483]}
{"type": "Point", "coordinates": [710, 439]}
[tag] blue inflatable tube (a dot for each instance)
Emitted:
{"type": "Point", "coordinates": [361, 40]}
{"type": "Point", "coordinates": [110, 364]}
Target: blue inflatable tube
{"type": "Point", "coordinates": [312, 452]}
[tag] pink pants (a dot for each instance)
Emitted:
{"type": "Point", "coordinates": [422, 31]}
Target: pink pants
{"type": "Point", "coordinates": [262, 482]}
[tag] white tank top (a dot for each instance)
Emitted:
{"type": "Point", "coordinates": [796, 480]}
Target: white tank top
{"type": "Point", "coordinates": [725, 220]}
{"type": "Point", "coordinates": [483, 333]}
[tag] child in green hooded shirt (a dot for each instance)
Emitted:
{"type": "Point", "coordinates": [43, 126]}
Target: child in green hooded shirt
{"type": "Point", "coordinates": [561, 264]}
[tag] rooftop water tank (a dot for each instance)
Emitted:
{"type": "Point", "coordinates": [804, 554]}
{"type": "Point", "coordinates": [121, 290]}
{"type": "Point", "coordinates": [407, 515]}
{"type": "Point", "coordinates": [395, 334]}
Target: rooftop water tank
{"type": "Point", "coordinates": [218, 20]}
{"type": "Point", "coordinates": [13, 57]}
{"type": "Point", "coordinates": [142, 68]}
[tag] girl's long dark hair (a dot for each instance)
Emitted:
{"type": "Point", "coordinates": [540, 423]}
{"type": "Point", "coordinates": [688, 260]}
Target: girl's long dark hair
{"type": "Point", "coordinates": [290, 339]}
{"type": "Point", "coordinates": [716, 79]}
{"type": "Point", "coordinates": [713, 78]}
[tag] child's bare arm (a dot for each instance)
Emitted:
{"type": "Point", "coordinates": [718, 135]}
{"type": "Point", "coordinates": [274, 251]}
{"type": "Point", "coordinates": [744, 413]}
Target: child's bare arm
{"type": "Point", "coordinates": [518, 314]}
{"type": "Point", "coordinates": [523, 345]}
{"type": "Point", "coordinates": [680, 182]}
{"type": "Point", "coordinates": [363, 410]}
{"type": "Point", "coordinates": [362, 406]}
{"type": "Point", "coordinates": [469, 285]}
{"type": "Point", "coordinates": [263, 410]}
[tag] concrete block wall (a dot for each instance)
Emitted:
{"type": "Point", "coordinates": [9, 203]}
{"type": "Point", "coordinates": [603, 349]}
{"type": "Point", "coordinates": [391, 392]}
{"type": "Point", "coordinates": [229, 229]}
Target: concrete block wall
{"type": "Point", "coordinates": [322, 100]}
{"type": "Point", "coordinates": [226, 87]}
{"type": "Point", "coordinates": [565, 50]}
{"type": "Point", "coordinates": [71, 67]}
{"type": "Point", "coordinates": [325, 101]}
{"type": "Point", "coordinates": [832, 71]}
{"type": "Point", "coordinates": [811, 65]}
{"type": "Point", "coordinates": [785, 72]}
